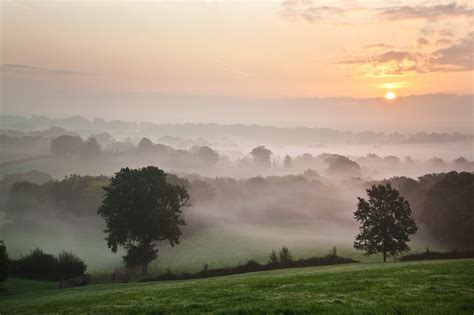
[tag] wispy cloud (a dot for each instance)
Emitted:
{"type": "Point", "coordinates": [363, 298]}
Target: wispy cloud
{"type": "Point", "coordinates": [313, 11]}
{"type": "Point", "coordinates": [231, 69]}
{"type": "Point", "coordinates": [437, 32]}
{"type": "Point", "coordinates": [19, 68]}
{"type": "Point", "coordinates": [378, 46]}
{"type": "Point", "coordinates": [308, 10]}
{"type": "Point", "coordinates": [422, 41]}
{"type": "Point", "coordinates": [426, 11]}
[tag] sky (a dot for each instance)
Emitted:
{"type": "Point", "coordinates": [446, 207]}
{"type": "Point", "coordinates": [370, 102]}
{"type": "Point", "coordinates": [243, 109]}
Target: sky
{"type": "Point", "coordinates": [289, 49]}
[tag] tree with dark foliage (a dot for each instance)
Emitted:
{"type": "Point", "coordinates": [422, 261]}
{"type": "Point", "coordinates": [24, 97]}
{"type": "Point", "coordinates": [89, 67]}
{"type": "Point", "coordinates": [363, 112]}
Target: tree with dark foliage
{"type": "Point", "coordinates": [3, 262]}
{"type": "Point", "coordinates": [90, 148]}
{"type": "Point", "coordinates": [66, 145]}
{"type": "Point", "coordinates": [386, 222]}
{"type": "Point", "coordinates": [285, 256]}
{"type": "Point", "coordinates": [141, 208]}
{"type": "Point", "coordinates": [69, 265]}
{"type": "Point", "coordinates": [448, 210]}
{"type": "Point", "coordinates": [261, 156]}
{"type": "Point", "coordinates": [287, 162]}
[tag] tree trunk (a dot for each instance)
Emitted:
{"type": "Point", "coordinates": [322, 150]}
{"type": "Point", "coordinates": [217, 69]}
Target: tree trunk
{"type": "Point", "coordinates": [384, 256]}
{"type": "Point", "coordinates": [144, 270]}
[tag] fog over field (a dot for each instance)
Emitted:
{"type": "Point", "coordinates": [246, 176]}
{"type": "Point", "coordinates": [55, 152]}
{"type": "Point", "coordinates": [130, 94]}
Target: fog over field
{"type": "Point", "coordinates": [253, 188]}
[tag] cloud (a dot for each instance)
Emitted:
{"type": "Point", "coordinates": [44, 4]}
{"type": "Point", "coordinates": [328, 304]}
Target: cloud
{"type": "Point", "coordinates": [308, 10]}
{"type": "Point", "coordinates": [437, 32]}
{"type": "Point", "coordinates": [443, 41]}
{"type": "Point", "coordinates": [457, 57]}
{"type": "Point", "coordinates": [19, 68]}
{"type": "Point", "coordinates": [313, 11]}
{"type": "Point", "coordinates": [378, 46]}
{"type": "Point", "coordinates": [426, 12]}
{"type": "Point", "coordinates": [422, 41]}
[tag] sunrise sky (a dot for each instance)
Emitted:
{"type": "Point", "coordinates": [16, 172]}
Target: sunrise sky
{"type": "Point", "coordinates": [265, 49]}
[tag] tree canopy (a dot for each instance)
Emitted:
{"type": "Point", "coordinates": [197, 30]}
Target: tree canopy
{"type": "Point", "coordinates": [141, 208]}
{"type": "Point", "coordinates": [386, 222]}
{"type": "Point", "coordinates": [261, 156]}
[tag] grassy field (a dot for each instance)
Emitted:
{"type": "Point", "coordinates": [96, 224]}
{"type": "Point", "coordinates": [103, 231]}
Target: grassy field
{"type": "Point", "coordinates": [435, 287]}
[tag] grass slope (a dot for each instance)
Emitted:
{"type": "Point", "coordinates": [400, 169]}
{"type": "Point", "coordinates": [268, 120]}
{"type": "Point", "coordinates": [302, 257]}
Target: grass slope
{"type": "Point", "coordinates": [434, 287]}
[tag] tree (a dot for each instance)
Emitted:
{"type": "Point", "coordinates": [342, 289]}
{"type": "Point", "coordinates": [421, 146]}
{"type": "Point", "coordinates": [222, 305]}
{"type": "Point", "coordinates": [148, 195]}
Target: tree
{"type": "Point", "coordinates": [448, 211]}
{"type": "Point", "coordinates": [342, 166]}
{"type": "Point", "coordinates": [207, 155]}
{"type": "Point", "coordinates": [90, 148]}
{"type": "Point", "coordinates": [273, 258]}
{"type": "Point", "coordinates": [261, 156]}
{"type": "Point", "coordinates": [141, 208]}
{"type": "Point", "coordinates": [386, 222]}
{"type": "Point", "coordinates": [287, 162]}
{"type": "Point", "coordinates": [66, 145]}
{"type": "Point", "coordinates": [3, 262]}
{"type": "Point", "coordinates": [285, 256]}
{"type": "Point", "coordinates": [145, 146]}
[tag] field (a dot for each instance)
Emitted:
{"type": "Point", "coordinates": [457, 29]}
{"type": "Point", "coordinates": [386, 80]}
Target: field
{"type": "Point", "coordinates": [435, 287]}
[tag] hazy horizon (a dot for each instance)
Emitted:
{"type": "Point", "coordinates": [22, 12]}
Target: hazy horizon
{"type": "Point", "coordinates": [414, 113]}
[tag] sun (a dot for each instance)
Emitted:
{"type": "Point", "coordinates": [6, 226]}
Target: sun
{"type": "Point", "coordinates": [390, 96]}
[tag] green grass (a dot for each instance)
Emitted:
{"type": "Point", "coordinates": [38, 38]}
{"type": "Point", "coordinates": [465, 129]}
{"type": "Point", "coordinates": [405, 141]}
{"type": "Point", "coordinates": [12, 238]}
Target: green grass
{"type": "Point", "coordinates": [435, 287]}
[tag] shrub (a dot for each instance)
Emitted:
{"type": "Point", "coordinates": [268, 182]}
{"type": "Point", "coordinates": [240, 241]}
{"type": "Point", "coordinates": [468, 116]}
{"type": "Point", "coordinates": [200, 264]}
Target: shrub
{"type": "Point", "coordinates": [69, 266]}
{"type": "Point", "coordinates": [40, 265]}
{"type": "Point", "coordinates": [438, 255]}
{"type": "Point", "coordinates": [3, 262]}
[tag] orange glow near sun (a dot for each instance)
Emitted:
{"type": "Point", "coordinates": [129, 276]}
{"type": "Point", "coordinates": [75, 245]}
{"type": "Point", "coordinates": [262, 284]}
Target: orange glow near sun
{"type": "Point", "coordinates": [390, 96]}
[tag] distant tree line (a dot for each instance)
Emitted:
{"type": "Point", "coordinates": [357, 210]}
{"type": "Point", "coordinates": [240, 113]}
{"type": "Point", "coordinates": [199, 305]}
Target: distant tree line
{"type": "Point", "coordinates": [441, 203]}
{"type": "Point", "coordinates": [264, 134]}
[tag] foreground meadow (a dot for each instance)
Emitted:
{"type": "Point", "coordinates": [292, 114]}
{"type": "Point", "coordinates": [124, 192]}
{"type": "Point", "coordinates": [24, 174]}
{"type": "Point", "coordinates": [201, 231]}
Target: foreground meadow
{"type": "Point", "coordinates": [435, 287]}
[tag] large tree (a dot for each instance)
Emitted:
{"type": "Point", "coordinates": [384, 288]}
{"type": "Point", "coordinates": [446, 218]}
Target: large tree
{"type": "Point", "coordinates": [386, 222]}
{"type": "Point", "coordinates": [141, 208]}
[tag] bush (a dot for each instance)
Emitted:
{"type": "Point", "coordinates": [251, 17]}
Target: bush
{"type": "Point", "coordinates": [69, 266]}
{"type": "Point", "coordinates": [40, 265]}
{"type": "Point", "coordinates": [3, 262]}
{"type": "Point", "coordinates": [35, 265]}
{"type": "Point", "coordinates": [438, 255]}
